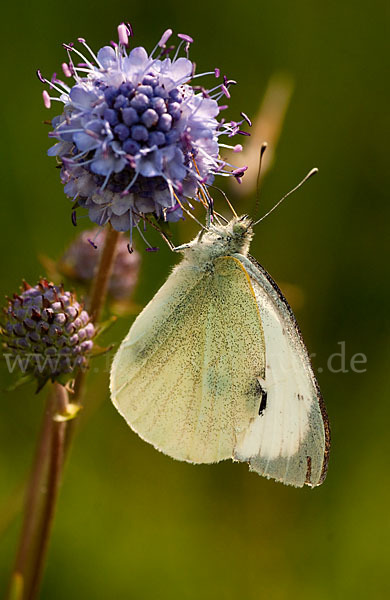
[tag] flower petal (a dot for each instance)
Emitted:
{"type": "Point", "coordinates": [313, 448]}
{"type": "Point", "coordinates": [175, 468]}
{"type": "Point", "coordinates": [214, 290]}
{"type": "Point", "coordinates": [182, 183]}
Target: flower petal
{"type": "Point", "coordinates": [99, 214]}
{"type": "Point", "coordinates": [107, 57]}
{"type": "Point", "coordinates": [107, 163]}
{"type": "Point", "coordinates": [82, 97]}
{"type": "Point", "coordinates": [180, 69]}
{"type": "Point", "coordinates": [60, 148]}
{"type": "Point", "coordinates": [85, 142]}
{"type": "Point", "coordinates": [135, 62]}
{"type": "Point", "coordinates": [174, 169]}
{"type": "Point", "coordinates": [121, 204]}
{"type": "Point", "coordinates": [150, 164]}
{"type": "Point", "coordinates": [121, 222]}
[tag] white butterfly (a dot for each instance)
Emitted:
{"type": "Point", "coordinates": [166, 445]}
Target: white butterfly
{"type": "Point", "coordinates": [215, 366]}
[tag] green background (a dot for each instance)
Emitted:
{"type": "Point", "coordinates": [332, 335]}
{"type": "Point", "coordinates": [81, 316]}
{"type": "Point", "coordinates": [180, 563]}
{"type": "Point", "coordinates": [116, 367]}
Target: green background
{"type": "Point", "coordinates": [131, 522]}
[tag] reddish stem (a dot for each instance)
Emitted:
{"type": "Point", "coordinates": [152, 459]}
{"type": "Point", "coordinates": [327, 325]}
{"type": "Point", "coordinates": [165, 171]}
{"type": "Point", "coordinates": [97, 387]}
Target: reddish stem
{"type": "Point", "coordinates": [53, 485]}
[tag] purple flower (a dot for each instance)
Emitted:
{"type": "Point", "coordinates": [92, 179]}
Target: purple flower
{"type": "Point", "coordinates": [136, 136]}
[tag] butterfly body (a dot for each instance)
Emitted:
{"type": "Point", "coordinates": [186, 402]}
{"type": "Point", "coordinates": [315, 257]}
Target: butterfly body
{"type": "Point", "coordinates": [215, 367]}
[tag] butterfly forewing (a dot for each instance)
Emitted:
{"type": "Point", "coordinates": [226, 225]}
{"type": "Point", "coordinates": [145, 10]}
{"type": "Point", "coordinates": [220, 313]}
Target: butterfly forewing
{"type": "Point", "coordinates": [186, 376]}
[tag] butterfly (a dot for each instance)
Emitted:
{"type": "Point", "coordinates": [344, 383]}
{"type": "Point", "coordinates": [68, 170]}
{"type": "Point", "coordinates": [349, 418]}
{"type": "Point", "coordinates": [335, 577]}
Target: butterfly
{"type": "Point", "coordinates": [215, 366]}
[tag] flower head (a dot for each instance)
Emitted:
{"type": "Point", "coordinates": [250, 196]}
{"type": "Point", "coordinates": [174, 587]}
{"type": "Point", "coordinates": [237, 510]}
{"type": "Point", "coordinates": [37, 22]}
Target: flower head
{"type": "Point", "coordinates": [136, 136]}
{"type": "Point", "coordinates": [80, 261]}
{"type": "Point", "coordinates": [46, 332]}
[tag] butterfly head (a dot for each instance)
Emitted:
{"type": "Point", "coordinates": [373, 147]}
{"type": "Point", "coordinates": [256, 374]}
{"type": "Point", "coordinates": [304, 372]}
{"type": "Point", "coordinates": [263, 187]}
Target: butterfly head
{"type": "Point", "coordinates": [220, 240]}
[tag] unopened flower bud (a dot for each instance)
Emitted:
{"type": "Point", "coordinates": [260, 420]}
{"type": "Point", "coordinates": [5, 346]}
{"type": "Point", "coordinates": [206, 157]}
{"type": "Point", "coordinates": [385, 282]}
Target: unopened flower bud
{"type": "Point", "coordinates": [46, 332]}
{"type": "Point", "coordinates": [80, 261]}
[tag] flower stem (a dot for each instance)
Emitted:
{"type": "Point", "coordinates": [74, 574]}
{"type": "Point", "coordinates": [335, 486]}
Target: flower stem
{"type": "Point", "coordinates": [52, 449]}
{"type": "Point", "coordinates": [34, 503]}
{"type": "Point", "coordinates": [95, 306]}
{"type": "Point", "coordinates": [103, 274]}
{"type": "Point", "coordinates": [53, 483]}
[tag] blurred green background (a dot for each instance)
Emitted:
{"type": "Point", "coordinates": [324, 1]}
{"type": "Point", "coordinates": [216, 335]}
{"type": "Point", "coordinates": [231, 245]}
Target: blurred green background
{"type": "Point", "coordinates": [131, 522]}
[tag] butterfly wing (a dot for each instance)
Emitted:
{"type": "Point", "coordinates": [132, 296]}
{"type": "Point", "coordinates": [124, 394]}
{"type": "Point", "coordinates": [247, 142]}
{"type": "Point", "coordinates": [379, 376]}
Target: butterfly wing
{"type": "Point", "coordinates": [289, 440]}
{"type": "Point", "coordinates": [185, 377]}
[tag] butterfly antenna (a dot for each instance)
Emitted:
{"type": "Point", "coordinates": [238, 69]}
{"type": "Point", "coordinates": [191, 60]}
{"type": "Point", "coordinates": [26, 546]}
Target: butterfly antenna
{"type": "Point", "coordinates": [208, 203]}
{"type": "Point", "coordinates": [149, 247]}
{"type": "Point", "coordinates": [220, 218]}
{"type": "Point", "coordinates": [205, 197]}
{"type": "Point", "coordinates": [310, 174]}
{"type": "Point", "coordinates": [226, 199]}
{"type": "Point", "coordinates": [263, 148]}
{"type": "Point", "coordinates": [157, 228]}
{"type": "Point", "coordinates": [188, 212]}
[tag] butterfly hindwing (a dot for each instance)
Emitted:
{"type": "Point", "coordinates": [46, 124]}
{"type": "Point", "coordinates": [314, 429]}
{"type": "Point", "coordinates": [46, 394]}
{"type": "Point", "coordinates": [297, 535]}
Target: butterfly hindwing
{"type": "Point", "coordinates": [289, 440]}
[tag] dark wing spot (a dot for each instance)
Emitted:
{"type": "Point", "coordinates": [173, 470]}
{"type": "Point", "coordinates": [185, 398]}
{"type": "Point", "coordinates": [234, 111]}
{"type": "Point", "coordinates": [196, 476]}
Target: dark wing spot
{"type": "Point", "coordinates": [308, 471]}
{"type": "Point", "coordinates": [263, 403]}
{"type": "Point", "coordinates": [263, 395]}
